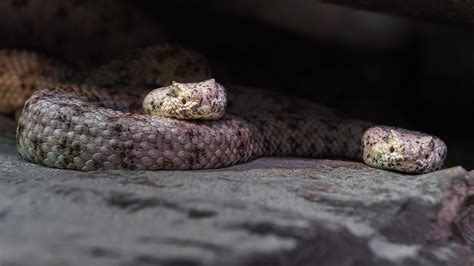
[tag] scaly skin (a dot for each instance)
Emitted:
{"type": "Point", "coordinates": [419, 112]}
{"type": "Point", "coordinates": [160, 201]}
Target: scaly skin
{"type": "Point", "coordinates": [81, 31]}
{"type": "Point", "coordinates": [23, 72]}
{"type": "Point", "coordinates": [82, 126]}
{"type": "Point", "coordinates": [402, 150]}
{"type": "Point", "coordinates": [205, 100]}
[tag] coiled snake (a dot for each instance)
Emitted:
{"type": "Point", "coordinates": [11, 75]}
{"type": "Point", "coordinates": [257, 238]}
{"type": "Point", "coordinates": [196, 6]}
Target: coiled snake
{"type": "Point", "coordinates": [94, 120]}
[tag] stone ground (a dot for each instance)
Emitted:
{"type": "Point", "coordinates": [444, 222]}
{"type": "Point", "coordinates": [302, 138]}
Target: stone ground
{"type": "Point", "coordinates": [272, 211]}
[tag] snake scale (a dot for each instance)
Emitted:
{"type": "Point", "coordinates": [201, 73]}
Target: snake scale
{"type": "Point", "coordinates": [94, 120]}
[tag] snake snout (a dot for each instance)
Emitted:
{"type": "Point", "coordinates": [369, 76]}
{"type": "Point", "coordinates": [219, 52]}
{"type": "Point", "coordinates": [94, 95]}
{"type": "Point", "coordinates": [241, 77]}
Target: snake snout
{"type": "Point", "coordinates": [205, 100]}
{"type": "Point", "coordinates": [402, 150]}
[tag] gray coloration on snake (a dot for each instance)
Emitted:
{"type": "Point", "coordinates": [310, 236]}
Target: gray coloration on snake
{"type": "Point", "coordinates": [95, 121]}
{"type": "Point", "coordinates": [205, 100]}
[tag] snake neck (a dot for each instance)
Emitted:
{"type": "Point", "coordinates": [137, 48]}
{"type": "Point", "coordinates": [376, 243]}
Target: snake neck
{"type": "Point", "coordinates": [307, 135]}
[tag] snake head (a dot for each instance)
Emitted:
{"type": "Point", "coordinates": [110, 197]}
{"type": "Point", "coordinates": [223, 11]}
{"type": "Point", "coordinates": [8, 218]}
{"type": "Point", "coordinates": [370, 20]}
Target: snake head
{"type": "Point", "coordinates": [402, 150]}
{"type": "Point", "coordinates": [205, 100]}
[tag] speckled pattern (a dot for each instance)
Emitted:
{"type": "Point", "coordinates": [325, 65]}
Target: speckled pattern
{"type": "Point", "coordinates": [204, 100]}
{"type": "Point", "coordinates": [63, 128]}
{"type": "Point", "coordinates": [402, 150]}
{"type": "Point", "coordinates": [95, 121]}
{"type": "Point", "coordinates": [23, 72]}
{"type": "Point", "coordinates": [84, 32]}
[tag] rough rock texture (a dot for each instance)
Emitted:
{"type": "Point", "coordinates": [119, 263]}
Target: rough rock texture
{"type": "Point", "coordinates": [273, 211]}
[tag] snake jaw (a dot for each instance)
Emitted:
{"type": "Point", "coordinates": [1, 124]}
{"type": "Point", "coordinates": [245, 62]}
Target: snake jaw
{"type": "Point", "coordinates": [205, 100]}
{"type": "Point", "coordinates": [402, 150]}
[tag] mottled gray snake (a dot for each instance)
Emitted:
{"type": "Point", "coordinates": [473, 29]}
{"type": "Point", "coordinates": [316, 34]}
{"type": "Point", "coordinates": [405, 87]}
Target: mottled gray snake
{"type": "Point", "coordinates": [95, 120]}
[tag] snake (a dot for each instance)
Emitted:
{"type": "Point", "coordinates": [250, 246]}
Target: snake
{"type": "Point", "coordinates": [107, 118]}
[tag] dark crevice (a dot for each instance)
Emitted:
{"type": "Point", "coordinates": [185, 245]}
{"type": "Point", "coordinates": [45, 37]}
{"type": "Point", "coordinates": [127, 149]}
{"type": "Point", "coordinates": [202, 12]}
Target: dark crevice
{"type": "Point", "coordinates": [200, 214]}
{"type": "Point", "coordinates": [131, 203]}
{"type": "Point", "coordinates": [3, 214]}
{"type": "Point", "coordinates": [148, 260]}
{"type": "Point", "coordinates": [183, 243]}
{"type": "Point", "coordinates": [267, 228]}
{"type": "Point", "coordinates": [101, 252]}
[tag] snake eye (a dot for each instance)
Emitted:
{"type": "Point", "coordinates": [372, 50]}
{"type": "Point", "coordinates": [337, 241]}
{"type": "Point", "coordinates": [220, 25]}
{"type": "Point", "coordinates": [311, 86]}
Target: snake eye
{"type": "Point", "coordinates": [183, 101]}
{"type": "Point", "coordinates": [392, 149]}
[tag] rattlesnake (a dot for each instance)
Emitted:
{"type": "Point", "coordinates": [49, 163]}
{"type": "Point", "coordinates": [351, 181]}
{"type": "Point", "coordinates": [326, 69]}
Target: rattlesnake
{"type": "Point", "coordinates": [94, 120]}
{"type": "Point", "coordinates": [84, 32]}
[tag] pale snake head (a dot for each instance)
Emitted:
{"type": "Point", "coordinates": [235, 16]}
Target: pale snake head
{"type": "Point", "coordinates": [402, 150]}
{"type": "Point", "coordinates": [205, 100]}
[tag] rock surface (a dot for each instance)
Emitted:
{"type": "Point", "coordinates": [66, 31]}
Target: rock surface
{"type": "Point", "coordinates": [272, 211]}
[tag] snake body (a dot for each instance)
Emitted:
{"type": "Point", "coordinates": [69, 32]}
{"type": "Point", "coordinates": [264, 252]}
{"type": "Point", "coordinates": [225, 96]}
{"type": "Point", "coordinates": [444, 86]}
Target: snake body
{"type": "Point", "coordinates": [82, 31]}
{"type": "Point", "coordinates": [94, 120]}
